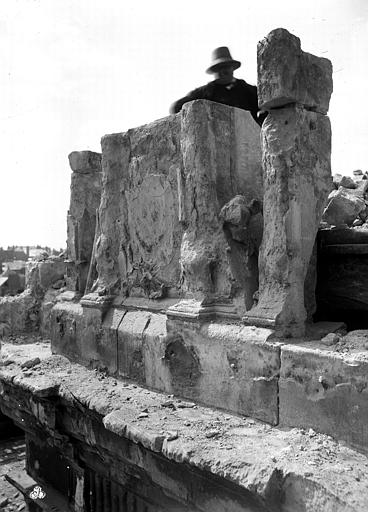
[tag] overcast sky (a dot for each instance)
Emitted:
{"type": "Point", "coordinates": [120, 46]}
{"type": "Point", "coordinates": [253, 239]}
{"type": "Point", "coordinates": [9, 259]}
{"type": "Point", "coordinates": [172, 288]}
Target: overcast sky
{"type": "Point", "coordinates": [74, 70]}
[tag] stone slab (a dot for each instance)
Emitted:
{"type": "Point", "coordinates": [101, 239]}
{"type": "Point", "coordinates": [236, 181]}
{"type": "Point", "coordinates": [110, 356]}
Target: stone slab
{"type": "Point", "coordinates": [227, 366]}
{"type": "Point", "coordinates": [107, 341]}
{"type": "Point", "coordinates": [75, 332]}
{"type": "Point", "coordinates": [130, 345]}
{"type": "Point", "coordinates": [325, 390]}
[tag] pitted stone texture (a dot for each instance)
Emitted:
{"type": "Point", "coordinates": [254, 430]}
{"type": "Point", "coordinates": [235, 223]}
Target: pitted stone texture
{"type": "Point", "coordinates": [85, 195]}
{"type": "Point", "coordinates": [226, 366]}
{"type": "Point", "coordinates": [85, 161]}
{"type": "Point", "coordinates": [286, 74]}
{"type": "Point", "coordinates": [343, 207]}
{"type": "Point", "coordinates": [222, 365]}
{"type": "Point", "coordinates": [297, 180]}
{"type": "Point", "coordinates": [325, 390]}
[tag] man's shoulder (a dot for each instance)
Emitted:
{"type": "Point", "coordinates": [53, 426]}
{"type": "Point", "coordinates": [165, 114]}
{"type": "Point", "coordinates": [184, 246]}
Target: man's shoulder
{"type": "Point", "coordinates": [203, 88]}
{"type": "Point", "coordinates": [245, 85]}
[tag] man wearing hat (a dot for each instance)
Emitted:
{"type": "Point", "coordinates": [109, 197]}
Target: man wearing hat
{"type": "Point", "coordinates": [224, 88]}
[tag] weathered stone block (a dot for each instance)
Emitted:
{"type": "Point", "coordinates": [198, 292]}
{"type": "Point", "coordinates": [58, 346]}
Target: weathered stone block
{"type": "Point", "coordinates": [348, 182]}
{"type": "Point", "coordinates": [46, 318]}
{"type": "Point", "coordinates": [343, 207]}
{"type": "Point", "coordinates": [76, 331]}
{"type": "Point", "coordinates": [226, 366]}
{"type": "Point", "coordinates": [157, 374]}
{"type": "Point", "coordinates": [297, 180]}
{"type": "Point", "coordinates": [50, 271]}
{"type": "Point", "coordinates": [130, 345]}
{"type": "Point", "coordinates": [85, 161]}
{"type": "Point", "coordinates": [138, 249]}
{"type": "Point", "coordinates": [107, 342]}
{"type": "Point", "coordinates": [326, 391]}
{"type": "Point", "coordinates": [286, 74]}
{"type": "Point", "coordinates": [19, 313]}
{"type": "Point", "coordinates": [160, 231]}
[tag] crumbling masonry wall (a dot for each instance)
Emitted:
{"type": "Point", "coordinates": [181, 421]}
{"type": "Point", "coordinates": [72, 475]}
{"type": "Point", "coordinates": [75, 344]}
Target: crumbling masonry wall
{"type": "Point", "coordinates": [164, 185]}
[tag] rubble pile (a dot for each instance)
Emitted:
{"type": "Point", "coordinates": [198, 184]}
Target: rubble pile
{"type": "Point", "coordinates": [347, 204]}
{"type": "Point", "coordinates": [29, 311]}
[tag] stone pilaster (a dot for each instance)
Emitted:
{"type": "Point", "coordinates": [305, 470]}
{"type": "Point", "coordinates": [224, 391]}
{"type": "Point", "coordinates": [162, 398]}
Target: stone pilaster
{"type": "Point", "coordinates": [216, 167]}
{"type": "Point", "coordinates": [85, 194]}
{"type": "Point", "coordinates": [296, 141]}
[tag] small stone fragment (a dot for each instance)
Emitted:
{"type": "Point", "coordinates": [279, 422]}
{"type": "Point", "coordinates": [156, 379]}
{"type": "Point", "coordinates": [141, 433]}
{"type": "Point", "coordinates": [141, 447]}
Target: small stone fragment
{"type": "Point", "coordinates": [343, 207]}
{"type": "Point", "coordinates": [169, 403]}
{"type": "Point", "coordinates": [172, 435]}
{"type": "Point", "coordinates": [186, 405]}
{"type": "Point", "coordinates": [212, 433]}
{"type": "Point", "coordinates": [330, 339]}
{"type": "Point", "coordinates": [7, 362]}
{"type": "Point", "coordinates": [358, 222]}
{"type": "Point", "coordinates": [31, 362]}
{"type": "Point", "coordinates": [142, 415]}
{"type": "Point", "coordinates": [348, 182]}
{"type": "Point", "coordinates": [358, 173]}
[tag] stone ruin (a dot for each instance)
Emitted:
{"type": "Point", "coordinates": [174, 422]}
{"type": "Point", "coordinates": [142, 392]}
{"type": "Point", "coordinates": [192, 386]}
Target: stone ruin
{"type": "Point", "coordinates": [190, 279]}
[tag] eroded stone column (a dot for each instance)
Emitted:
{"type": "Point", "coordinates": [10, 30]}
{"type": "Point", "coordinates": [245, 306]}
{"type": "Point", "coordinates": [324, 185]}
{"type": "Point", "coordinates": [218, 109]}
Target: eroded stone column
{"type": "Point", "coordinates": [85, 194]}
{"type": "Point", "coordinates": [296, 137]}
{"type": "Point", "coordinates": [112, 212]}
{"type": "Point", "coordinates": [217, 165]}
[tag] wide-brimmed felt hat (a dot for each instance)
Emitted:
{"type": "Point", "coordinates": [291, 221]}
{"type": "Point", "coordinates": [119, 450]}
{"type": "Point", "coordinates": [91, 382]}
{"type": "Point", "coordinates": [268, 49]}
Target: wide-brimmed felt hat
{"type": "Point", "coordinates": [222, 56]}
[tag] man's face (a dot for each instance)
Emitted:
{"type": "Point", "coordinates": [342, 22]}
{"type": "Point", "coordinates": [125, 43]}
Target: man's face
{"type": "Point", "coordinates": [224, 74]}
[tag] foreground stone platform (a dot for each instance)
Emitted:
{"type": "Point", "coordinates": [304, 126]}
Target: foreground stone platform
{"type": "Point", "coordinates": [307, 382]}
{"type": "Point", "coordinates": [164, 452]}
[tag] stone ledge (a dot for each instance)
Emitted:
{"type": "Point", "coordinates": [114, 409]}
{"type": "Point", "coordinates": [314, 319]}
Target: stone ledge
{"type": "Point", "coordinates": [327, 390]}
{"type": "Point", "coordinates": [308, 468]}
